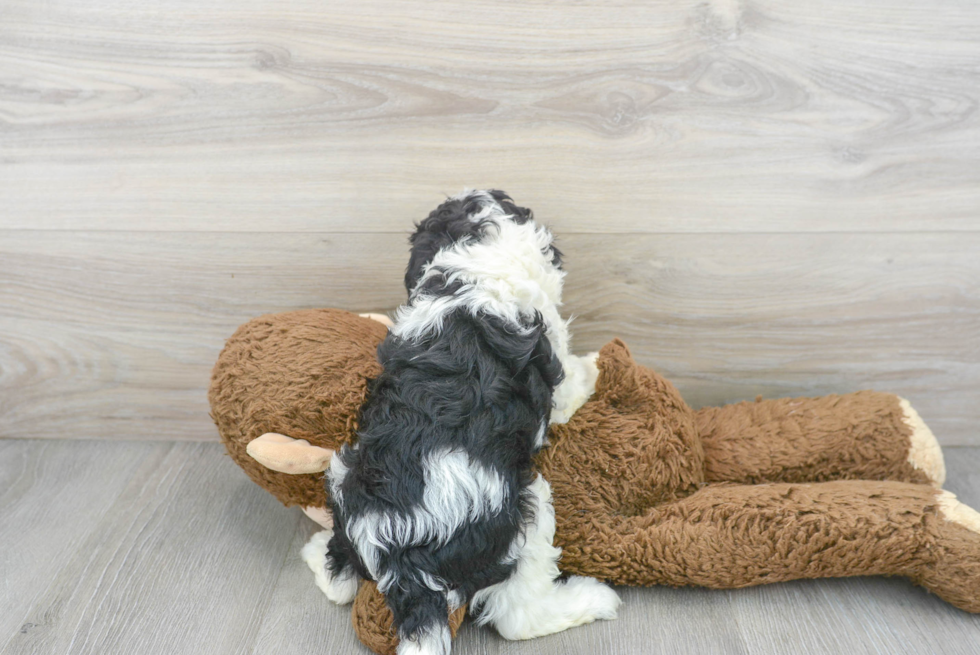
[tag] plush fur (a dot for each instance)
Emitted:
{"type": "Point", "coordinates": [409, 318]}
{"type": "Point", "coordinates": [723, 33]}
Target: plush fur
{"type": "Point", "coordinates": [436, 502]}
{"type": "Point", "coordinates": [481, 254]}
{"type": "Point", "coordinates": [645, 490]}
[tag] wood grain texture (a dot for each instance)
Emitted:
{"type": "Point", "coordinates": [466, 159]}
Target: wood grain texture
{"type": "Point", "coordinates": [313, 115]}
{"type": "Point", "coordinates": [113, 334]}
{"type": "Point", "coordinates": [52, 498]}
{"type": "Point", "coordinates": [300, 620]}
{"type": "Point", "coordinates": [130, 547]}
{"type": "Point", "coordinates": [180, 561]}
{"type": "Point", "coordinates": [824, 614]}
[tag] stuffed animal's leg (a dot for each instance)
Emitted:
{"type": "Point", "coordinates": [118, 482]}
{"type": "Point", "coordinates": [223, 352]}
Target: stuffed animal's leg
{"type": "Point", "coordinates": [727, 536]}
{"type": "Point", "coordinates": [374, 623]}
{"type": "Point", "coordinates": [858, 436]}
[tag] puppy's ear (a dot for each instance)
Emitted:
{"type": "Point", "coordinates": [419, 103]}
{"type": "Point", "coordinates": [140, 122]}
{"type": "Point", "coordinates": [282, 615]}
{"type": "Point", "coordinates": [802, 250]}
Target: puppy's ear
{"type": "Point", "coordinates": [556, 257]}
{"type": "Point", "coordinates": [520, 215]}
{"type": "Point", "coordinates": [425, 244]}
{"type": "Point", "coordinates": [526, 351]}
{"type": "Point", "coordinates": [448, 223]}
{"type": "Point", "coordinates": [543, 374]}
{"type": "Point", "coordinates": [546, 361]}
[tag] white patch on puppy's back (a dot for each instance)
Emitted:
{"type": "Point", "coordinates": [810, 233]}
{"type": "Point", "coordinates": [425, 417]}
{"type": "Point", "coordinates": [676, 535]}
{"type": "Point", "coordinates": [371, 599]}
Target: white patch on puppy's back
{"type": "Point", "coordinates": [539, 437]}
{"type": "Point", "coordinates": [457, 490]}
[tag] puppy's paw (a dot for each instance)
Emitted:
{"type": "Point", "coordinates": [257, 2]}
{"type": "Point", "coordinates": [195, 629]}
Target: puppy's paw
{"type": "Point", "coordinates": [588, 600]}
{"type": "Point", "coordinates": [581, 375]}
{"type": "Point", "coordinates": [340, 589]}
{"type": "Point", "coordinates": [576, 601]}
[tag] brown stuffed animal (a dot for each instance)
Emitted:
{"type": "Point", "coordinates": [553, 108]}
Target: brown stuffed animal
{"type": "Point", "coordinates": [646, 491]}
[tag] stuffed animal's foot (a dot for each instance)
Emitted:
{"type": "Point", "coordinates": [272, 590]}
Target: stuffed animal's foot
{"type": "Point", "coordinates": [374, 623]}
{"type": "Point", "coordinates": [340, 589]}
{"type": "Point", "coordinates": [956, 512]}
{"type": "Point", "coordinates": [954, 576]}
{"type": "Point", "coordinates": [924, 452]}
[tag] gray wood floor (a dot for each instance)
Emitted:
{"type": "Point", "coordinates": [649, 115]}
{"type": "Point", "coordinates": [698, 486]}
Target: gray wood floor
{"type": "Point", "coordinates": [167, 548]}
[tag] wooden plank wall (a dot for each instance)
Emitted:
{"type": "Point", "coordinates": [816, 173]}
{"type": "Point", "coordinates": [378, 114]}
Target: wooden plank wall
{"type": "Point", "coordinates": [761, 197]}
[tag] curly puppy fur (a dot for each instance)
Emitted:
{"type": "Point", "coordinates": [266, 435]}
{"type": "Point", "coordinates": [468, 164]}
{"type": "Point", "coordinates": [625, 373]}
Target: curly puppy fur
{"type": "Point", "coordinates": [437, 501]}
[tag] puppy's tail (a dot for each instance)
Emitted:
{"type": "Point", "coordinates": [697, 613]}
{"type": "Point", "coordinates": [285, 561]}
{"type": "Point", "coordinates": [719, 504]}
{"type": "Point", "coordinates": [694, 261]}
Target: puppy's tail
{"type": "Point", "coordinates": [422, 617]}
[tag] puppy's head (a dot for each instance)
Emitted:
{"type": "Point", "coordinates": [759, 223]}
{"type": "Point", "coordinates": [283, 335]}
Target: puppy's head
{"type": "Point", "coordinates": [462, 218]}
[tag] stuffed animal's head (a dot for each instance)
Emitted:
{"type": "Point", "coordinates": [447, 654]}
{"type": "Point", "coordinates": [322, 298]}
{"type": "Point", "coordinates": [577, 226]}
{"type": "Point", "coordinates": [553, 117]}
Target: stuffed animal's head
{"type": "Point", "coordinates": [302, 374]}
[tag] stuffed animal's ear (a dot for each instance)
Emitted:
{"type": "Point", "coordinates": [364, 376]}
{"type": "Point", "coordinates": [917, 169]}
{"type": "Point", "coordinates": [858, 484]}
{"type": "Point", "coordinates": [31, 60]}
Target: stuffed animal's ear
{"type": "Point", "coordinates": [380, 318]}
{"type": "Point", "coordinates": [287, 455]}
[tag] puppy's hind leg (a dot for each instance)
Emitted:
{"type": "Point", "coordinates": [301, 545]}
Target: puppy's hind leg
{"type": "Point", "coordinates": [332, 570]}
{"type": "Point", "coordinates": [532, 602]}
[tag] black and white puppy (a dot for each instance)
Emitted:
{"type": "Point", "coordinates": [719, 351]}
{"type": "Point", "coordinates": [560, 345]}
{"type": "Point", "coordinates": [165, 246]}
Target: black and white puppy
{"type": "Point", "coordinates": [437, 501]}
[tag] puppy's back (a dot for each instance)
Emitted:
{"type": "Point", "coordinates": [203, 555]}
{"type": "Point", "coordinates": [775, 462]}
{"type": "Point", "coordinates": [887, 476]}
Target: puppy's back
{"type": "Point", "coordinates": [432, 497]}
